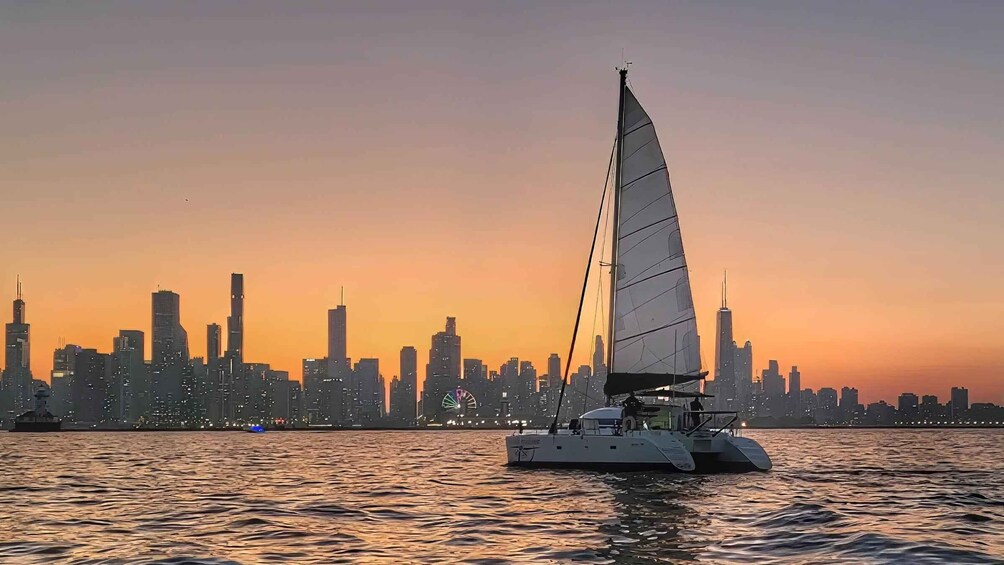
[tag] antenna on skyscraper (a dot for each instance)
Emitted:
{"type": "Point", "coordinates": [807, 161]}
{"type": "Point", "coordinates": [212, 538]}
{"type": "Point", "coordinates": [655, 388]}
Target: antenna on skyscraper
{"type": "Point", "coordinates": [19, 287]}
{"type": "Point", "coordinates": [725, 290]}
{"type": "Point", "coordinates": [341, 301]}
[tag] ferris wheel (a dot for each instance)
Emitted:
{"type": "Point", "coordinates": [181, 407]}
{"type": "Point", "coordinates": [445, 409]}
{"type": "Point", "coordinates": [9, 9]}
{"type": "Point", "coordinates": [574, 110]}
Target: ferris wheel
{"type": "Point", "coordinates": [459, 400]}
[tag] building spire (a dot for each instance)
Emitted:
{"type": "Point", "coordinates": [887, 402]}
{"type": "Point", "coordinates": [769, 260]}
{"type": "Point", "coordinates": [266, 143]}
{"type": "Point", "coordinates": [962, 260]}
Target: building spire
{"type": "Point", "coordinates": [19, 287]}
{"type": "Point", "coordinates": [725, 291]}
{"type": "Point", "coordinates": [341, 301]}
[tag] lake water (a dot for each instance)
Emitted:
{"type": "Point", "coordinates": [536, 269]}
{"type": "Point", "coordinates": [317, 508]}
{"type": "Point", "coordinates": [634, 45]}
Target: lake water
{"type": "Point", "coordinates": [836, 496]}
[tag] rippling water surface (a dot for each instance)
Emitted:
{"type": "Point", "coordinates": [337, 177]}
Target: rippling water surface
{"type": "Point", "coordinates": [324, 497]}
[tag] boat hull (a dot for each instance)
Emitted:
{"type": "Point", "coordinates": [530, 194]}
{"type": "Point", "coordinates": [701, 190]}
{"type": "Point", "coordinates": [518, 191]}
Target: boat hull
{"type": "Point", "coordinates": [637, 451]}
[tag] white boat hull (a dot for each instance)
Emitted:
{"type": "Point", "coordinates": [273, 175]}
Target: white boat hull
{"type": "Point", "coordinates": [638, 450]}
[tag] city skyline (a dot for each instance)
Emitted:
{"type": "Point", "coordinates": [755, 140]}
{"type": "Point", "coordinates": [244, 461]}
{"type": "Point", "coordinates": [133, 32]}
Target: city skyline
{"type": "Point", "coordinates": [175, 343]}
{"type": "Point", "coordinates": [850, 186]}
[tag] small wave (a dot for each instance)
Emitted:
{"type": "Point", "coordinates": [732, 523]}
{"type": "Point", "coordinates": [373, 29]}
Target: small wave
{"type": "Point", "coordinates": [798, 514]}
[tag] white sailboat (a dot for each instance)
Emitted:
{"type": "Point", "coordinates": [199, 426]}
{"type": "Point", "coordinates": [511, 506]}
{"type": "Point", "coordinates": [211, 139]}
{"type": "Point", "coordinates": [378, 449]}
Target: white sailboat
{"type": "Point", "coordinates": [654, 353]}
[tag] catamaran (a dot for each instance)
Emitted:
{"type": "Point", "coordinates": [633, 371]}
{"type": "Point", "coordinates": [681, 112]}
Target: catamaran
{"type": "Point", "coordinates": [653, 360]}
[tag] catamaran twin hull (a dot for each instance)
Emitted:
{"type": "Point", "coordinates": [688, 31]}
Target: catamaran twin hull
{"type": "Point", "coordinates": [666, 450]}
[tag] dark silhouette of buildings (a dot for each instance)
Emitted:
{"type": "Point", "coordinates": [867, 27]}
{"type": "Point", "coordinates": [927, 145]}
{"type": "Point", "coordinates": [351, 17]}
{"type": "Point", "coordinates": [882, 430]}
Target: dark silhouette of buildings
{"type": "Point", "coordinates": [123, 389]}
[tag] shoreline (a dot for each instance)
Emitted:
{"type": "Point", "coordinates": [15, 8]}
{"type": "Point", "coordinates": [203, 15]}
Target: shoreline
{"type": "Point", "coordinates": [500, 428]}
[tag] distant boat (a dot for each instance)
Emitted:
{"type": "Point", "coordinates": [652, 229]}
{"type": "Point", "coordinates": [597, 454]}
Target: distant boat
{"type": "Point", "coordinates": [39, 419]}
{"type": "Point", "coordinates": [654, 355]}
{"type": "Point", "coordinates": [255, 429]}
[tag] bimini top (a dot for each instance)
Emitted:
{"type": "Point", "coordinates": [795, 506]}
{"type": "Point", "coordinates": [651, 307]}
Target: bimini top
{"type": "Point", "coordinates": [673, 394]}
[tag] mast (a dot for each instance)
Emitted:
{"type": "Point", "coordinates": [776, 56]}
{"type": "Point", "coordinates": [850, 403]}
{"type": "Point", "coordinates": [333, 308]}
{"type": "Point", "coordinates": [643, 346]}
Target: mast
{"type": "Point", "coordinates": [614, 247]}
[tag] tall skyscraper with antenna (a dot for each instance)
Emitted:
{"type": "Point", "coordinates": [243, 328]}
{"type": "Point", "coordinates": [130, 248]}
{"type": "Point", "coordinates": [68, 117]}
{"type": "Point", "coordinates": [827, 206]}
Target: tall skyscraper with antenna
{"type": "Point", "coordinates": [16, 390]}
{"type": "Point", "coordinates": [725, 375]}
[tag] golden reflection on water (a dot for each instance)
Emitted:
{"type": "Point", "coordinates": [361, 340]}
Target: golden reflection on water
{"type": "Point", "coordinates": [322, 497]}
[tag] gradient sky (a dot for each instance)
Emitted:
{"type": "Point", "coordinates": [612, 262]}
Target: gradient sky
{"type": "Point", "coordinates": [842, 160]}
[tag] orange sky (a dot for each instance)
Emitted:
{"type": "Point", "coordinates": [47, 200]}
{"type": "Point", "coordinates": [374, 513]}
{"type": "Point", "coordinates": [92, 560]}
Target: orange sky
{"type": "Point", "coordinates": [843, 166]}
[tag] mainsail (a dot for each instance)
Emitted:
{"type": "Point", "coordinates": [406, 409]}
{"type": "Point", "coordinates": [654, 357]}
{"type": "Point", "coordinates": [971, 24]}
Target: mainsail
{"type": "Point", "coordinates": [655, 340]}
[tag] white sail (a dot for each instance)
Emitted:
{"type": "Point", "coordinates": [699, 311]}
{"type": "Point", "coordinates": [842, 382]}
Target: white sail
{"type": "Point", "coordinates": [655, 330]}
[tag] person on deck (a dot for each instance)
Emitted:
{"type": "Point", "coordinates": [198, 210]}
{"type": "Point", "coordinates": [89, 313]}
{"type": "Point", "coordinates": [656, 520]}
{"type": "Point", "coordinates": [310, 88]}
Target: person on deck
{"type": "Point", "coordinates": [631, 406]}
{"type": "Point", "coordinates": [695, 409]}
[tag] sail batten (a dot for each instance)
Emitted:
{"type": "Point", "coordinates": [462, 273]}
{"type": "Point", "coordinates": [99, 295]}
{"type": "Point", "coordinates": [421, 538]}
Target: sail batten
{"type": "Point", "coordinates": [652, 286]}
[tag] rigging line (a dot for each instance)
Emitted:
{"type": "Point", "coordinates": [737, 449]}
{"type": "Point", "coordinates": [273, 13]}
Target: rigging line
{"type": "Point", "coordinates": [650, 277]}
{"type": "Point", "coordinates": [649, 268]}
{"type": "Point", "coordinates": [648, 237]}
{"type": "Point", "coordinates": [663, 360]}
{"type": "Point", "coordinates": [596, 311]}
{"type": "Point", "coordinates": [660, 328]}
{"type": "Point", "coordinates": [656, 297]}
{"type": "Point", "coordinates": [655, 223]}
{"type": "Point", "coordinates": [641, 337]}
{"type": "Point", "coordinates": [642, 146]}
{"type": "Point", "coordinates": [599, 311]}
{"type": "Point", "coordinates": [682, 316]}
{"type": "Point", "coordinates": [636, 128]}
{"type": "Point", "coordinates": [644, 348]}
{"type": "Point", "coordinates": [627, 186]}
{"type": "Point", "coordinates": [646, 207]}
{"type": "Point", "coordinates": [582, 296]}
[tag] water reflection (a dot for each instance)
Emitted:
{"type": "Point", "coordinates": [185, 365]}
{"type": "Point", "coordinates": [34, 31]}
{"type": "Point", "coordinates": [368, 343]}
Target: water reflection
{"type": "Point", "coordinates": [833, 496]}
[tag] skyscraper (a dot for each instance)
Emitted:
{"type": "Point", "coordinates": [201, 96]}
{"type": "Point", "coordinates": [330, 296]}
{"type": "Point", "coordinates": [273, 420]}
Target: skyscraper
{"type": "Point", "coordinates": [849, 404]}
{"type": "Point", "coordinates": [235, 322]}
{"type": "Point", "coordinates": [129, 386]}
{"type": "Point", "coordinates": [338, 366]}
{"type": "Point", "coordinates": [442, 373]}
{"type": "Point", "coordinates": [231, 374]}
{"type": "Point", "coordinates": [15, 387]}
{"type": "Point", "coordinates": [908, 406]}
{"type": "Point", "coordinates": [508, 383]}
{"type": "Point", "coordinates": [476, 380]}
{"type": "Point", "coordinates": [61, 381]}
{"type": "Point", "coordinates": [959, 403]}
{"type": "Point", "coordinates": [169, 361]}
{"type": "Point", "coordinates": [725, 376]}
{"type": "Point", "coordinates": [773, 390]}
{"type": "Point", "coordinates": [743, 367]}
{"type": "Point", "coordinates": [595, 381]}
{"type": "Point", "coordinates": [554, 372]}
{"type": "Point", "coordinates": [795, 392]}
{"type": "Point", "coordinates": [277, 397]}
{"type": "Point", "coordinates": [526, 390]}
{"type": "Point", "coordinates": [316, 391]}
{"type": "Point", "coordinates": [826, 411]}
{"type": "Point", "coordinates": [409, 384]}
{"type": "Point", "coordinates": [367, 392]}
{"type": "Point", "coordinates": [90, 386]}
{"type": "Point", "coordinates": [216, 383]}
{"type": "Point", "coordinates": [213, 342]}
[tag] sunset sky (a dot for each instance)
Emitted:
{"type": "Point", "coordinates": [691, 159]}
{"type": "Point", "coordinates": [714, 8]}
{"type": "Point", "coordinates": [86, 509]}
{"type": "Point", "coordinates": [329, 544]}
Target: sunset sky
{"type": "Point", "coordinates": [843, 160]}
